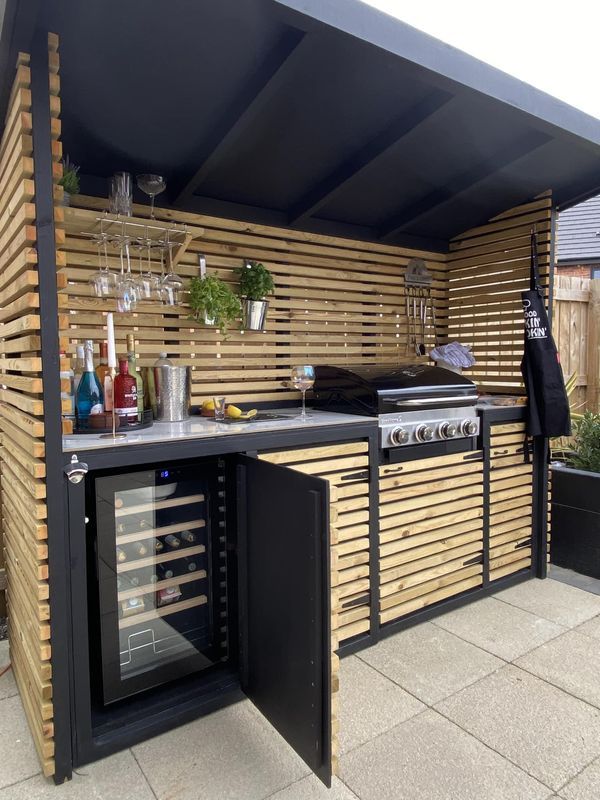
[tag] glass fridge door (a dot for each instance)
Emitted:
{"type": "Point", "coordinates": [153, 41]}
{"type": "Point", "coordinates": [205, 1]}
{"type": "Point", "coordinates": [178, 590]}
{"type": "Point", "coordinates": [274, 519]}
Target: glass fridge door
{"type": "Point", "coordinates": [162, 574]}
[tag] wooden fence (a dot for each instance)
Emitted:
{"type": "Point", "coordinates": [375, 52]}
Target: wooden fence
{"type": "Point", "coordinates": [576, 327]}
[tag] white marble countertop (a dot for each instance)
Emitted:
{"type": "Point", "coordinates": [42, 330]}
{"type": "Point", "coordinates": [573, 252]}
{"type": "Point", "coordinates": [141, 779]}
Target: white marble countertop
{"type": "Point", "coordinates": [201, 428]}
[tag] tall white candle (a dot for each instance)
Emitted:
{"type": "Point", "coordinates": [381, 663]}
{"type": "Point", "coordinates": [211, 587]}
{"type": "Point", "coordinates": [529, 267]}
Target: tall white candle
{"type": "Point", "coordinates": [110, 335]}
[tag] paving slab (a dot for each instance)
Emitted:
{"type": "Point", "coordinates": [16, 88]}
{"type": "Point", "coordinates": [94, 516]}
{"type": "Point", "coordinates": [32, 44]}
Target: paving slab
{"type": "Point", "coordinates": [231, 754]}
{"type": "Point", "coordinates": [590, 628]}
{"type": "Point", "coordinates": [545, 731]}
{"type": "Point", "coordinates": [586, 786]}
{"type": "Point", "coordinates": [558, 602]}
{"type": "Point", "coordinates": [311, 788]}
{"type": "Point", "coordinates": [501, 629]}
{"type": "Point", "coordinates": [430, 662]}
{"type": "Point", "coordinates": [8, 687]}
{"type": "Point", "coordinates": [571, 662]}
{"type": "Point", "coordinates": [18, 758]}
{"type": "Point", "coordinates": [115, 778]}
{"type": "Point", "coordinates": [429, 758]}
{"type": "Point", "coordinates": [370, 703]}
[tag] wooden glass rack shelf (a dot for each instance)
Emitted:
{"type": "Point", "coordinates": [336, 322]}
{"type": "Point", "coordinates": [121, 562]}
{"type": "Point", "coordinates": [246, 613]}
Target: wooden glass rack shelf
{"type": "Point", "coordinates": [177, 580]}
{"type": "Point", "coordinates": [157, 505]}
{"type": "Point", "coordinates": [150, 561]}
{"type": "Point", "coordinates": [165, 611]}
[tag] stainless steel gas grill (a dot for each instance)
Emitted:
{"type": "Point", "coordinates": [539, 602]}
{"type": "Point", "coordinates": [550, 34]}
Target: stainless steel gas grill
{"type": "Point", "coordinates": [416, 404]}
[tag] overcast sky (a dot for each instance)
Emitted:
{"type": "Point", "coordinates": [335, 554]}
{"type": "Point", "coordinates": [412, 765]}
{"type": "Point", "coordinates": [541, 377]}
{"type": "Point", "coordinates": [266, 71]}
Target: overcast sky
{"type": "Point", "coordinates": [553, 45]}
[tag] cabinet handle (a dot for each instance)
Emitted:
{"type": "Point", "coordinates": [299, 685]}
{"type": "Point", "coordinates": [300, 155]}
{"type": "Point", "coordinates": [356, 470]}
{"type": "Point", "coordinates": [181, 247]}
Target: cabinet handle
{"type": "Point", "coordinates": [500, 453]}
{"type": "Point", "coordinates": [357, 476]}
{"type": "Point", "coordinates": [358, 601]}
{"type": "Point", "coordinates": [470, 561]}
{"type": "Point", "coordinates": [526, 543]}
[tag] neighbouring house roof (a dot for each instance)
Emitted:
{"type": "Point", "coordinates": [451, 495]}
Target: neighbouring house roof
{"type": "Point", "coordinates": [578, 239]}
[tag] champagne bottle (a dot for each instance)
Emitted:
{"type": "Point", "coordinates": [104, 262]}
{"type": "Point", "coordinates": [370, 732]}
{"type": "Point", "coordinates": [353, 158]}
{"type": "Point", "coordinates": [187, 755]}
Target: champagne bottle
{"type": "Point", "coordinates": [172, 541]}
{"type": "Point", "coordinates": [102, 368]}
{"type": "Point", "coordinates": [89, 392]}
{"type": "Point", "coordinates": [189, 537]}
{"type": "Point", "coordinates": [135, 373]}
{"type": "Point", "coordinates": [79, 368]}
{"type": "Point", "coordinates": [121, 554]}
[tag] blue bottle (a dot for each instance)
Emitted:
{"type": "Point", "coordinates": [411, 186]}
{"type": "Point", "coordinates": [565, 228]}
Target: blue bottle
{"type": "Point", "coordinates": [89, 397]}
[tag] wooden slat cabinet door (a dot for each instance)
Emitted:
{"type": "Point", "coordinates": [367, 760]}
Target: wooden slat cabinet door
{"type": "Point", "coordinates": [430, 531]}
{"type": "Point", "coordinates": [510, 507]}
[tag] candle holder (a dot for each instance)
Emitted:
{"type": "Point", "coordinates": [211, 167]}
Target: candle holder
{"type": "Point", "coordinates": [114, 435]}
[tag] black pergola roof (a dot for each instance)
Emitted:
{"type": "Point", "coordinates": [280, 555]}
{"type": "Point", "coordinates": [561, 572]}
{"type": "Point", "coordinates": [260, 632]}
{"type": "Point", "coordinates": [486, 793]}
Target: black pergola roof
{"type": "Point", "coordinates": [321, 114]}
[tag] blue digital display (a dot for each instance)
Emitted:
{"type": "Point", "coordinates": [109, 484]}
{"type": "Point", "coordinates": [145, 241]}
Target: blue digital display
{"type": "Point", "coordinates": [164, 473]}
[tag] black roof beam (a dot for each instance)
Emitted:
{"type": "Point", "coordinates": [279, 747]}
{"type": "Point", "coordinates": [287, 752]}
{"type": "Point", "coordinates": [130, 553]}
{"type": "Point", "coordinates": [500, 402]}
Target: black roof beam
{"type": "Point", "coordinates": [270, 77]}
{"type": "Point", "coordinates": [401, 127]}
{"type": "Point", "coordinates": [462, 183]}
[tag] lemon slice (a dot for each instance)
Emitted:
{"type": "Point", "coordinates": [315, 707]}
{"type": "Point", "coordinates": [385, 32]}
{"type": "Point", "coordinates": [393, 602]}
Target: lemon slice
{"type": "Point", "coordinates": [249, 414]}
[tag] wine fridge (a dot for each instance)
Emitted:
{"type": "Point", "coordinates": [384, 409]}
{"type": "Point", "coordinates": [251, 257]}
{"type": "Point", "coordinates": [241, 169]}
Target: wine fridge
{"type": "Point", "coordinates": [162, 574]}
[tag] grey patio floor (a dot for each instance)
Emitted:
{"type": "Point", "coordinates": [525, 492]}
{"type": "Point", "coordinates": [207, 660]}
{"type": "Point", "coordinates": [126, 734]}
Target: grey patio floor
{"type": "Point", "coordinates": [497, 701]}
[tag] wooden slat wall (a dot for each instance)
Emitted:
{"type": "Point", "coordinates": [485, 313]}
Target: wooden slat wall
{"type": "Point", "coordinates": [349, 531]}
{"type": "Point", "coordinates": [21, 411]}
{"type": "Point", "coordinates": [430, 531]}
{"type": "Point", "coordinates": [488, 268]}
{"type": "Point", "coordinates": [336, 300]}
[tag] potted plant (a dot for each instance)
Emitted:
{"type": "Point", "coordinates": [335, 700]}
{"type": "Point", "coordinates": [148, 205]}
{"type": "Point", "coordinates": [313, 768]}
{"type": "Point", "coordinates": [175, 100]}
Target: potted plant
{"type": "Point", "coordinates": [212, 302]}
{"type": "Point", "coordinates": [576, 499]}
{"type": "Point", "coordinates": [256, 282]}
{"type": "Point", "coordinates": [69, 180]}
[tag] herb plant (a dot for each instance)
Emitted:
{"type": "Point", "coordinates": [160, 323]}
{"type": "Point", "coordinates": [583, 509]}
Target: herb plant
{"type": "Point", "coordinates": [256, 282]}
{"type": "Point", "coordinates": [585, 452]}
{"type": "Point", "coordinates": [211, 298]}
{"type": "Point", "coordinates": [70, 178]}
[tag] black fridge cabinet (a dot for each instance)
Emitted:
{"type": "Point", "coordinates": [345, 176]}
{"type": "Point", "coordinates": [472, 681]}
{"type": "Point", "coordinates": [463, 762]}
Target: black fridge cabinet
{"type": "Point", "coordinates": [165, 630]}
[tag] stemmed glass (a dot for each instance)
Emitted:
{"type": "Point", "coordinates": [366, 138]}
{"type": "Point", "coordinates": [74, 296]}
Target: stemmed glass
{"type": "Point", "coordinates": [151, 185]}
{"type": "Point", "coordinates": [172, 284]}
{"type": "Point", "coordinates": [127, 289]}
{"type": "Point", "coordinates": [303, 379]}
{"type": "Point", "coordinates": [148, 284]}
{"type": "Point", "coordinates": [103, 282]}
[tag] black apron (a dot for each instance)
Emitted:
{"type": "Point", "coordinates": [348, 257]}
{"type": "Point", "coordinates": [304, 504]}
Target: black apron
{"type": "Point", "coordinates": [548, 405]}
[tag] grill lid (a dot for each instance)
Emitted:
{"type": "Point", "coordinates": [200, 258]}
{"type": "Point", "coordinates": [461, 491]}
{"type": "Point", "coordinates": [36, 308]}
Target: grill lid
{"type": "Point", "coordinates": [382, 389]}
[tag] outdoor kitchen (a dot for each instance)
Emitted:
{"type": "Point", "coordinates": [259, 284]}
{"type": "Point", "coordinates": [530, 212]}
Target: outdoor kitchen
{"type": "Point", "coordinates": [260, 412]}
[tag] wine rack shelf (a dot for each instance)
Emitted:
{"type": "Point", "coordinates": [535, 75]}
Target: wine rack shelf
{"type": "Point", "coordinates": [148, 588]}
{"type": "Point", "coordinates": [165, 611]}
{"type": "Point", "coordinates": [151, 533]}
{"type": "Point", "coordinates": [157, 505]}
{"type": "Point", "coordinates": [150, 561]}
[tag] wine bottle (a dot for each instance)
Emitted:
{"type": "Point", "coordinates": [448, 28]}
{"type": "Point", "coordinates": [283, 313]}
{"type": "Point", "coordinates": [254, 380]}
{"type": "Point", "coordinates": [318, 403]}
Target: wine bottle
{"type": "Point", "coordinates": [158, 546]}
{"type": "Point", "coordinates": [79, 366]}
{"type": "Point", "coordinates": [125, 394]}
{"type": "Point", "coordinates": [191, 565]}
{"type": "Point", "coordinates": [121, 554]}
{"type": "Point", "coordinates": [140, 549]}
{"type": "Point", "coordinates": [172, 541]}
{"type": "Point", "coordinates": [89, 392]}
{"type": "Point", "coordinates": [135, 373]}
{"type": "Point", "coordinates": [103, 373]}
{"type": "Point", "coordinates": [67, 374]}
{"type": "Point", "coordinates": [164, 571]}
{"type": "Point", "coordinates": [189, 537]}
{"type": "Point", "coordinates": [132, 606]}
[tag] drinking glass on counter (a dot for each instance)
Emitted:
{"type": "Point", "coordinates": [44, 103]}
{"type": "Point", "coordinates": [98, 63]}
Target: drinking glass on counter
{"type": "Point", "coordinates": [121, 192]}
{"type": "Point", "coordinates": [303, 379]}
{"type": "Point", "coordinates": [219, 403]}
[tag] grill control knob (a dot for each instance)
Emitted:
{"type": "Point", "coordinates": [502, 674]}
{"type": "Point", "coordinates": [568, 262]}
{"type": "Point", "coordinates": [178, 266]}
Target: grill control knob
{"type": "Point", "coordinates": [447, 430]}
{"type": "Point", "coordinates": [399, 436]}
{"type": "Point", "coordinates": [468, 427]}
{"type": "Point", "coordinates": [424, 433]}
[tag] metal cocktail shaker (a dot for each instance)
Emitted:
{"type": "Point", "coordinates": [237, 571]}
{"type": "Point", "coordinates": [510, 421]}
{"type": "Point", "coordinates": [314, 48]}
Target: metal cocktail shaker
{"type": "Point", "coordinates": [173, 393]}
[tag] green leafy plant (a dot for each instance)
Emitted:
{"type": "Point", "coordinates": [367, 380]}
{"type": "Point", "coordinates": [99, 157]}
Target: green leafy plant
{"type": "Point", "coordinates": [585, 450]}
{"type": "Point", "coordinates": [256, 282]}
{"type": "Point", "coordinates": [211, 298]}
{"type": "Point", "coordinates": [70, 178]}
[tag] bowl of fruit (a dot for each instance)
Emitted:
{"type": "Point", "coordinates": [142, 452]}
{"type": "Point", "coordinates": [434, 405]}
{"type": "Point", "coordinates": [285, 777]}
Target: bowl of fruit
{"type": "Point", "coordinates": [232, 413]}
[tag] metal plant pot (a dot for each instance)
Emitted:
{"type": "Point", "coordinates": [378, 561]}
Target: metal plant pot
{"type": "Point", "coordinates": [255, 314]}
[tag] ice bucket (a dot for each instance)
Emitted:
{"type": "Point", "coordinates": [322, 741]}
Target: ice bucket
{"type": "Point", "coordinates": [173, 393]}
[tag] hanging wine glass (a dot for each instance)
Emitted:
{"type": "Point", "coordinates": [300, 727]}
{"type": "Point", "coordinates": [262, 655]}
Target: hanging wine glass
{"type": "Point", "coordinates": [172, 284]}
{"type": "Point", "coordinates": [151, 185]}
{"type": "Point", "coordinates": [103, 282]}
{"type": "Point", "coordinates": [147, 283]}
{"type": "Point", "coordinates": [127, 290]}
